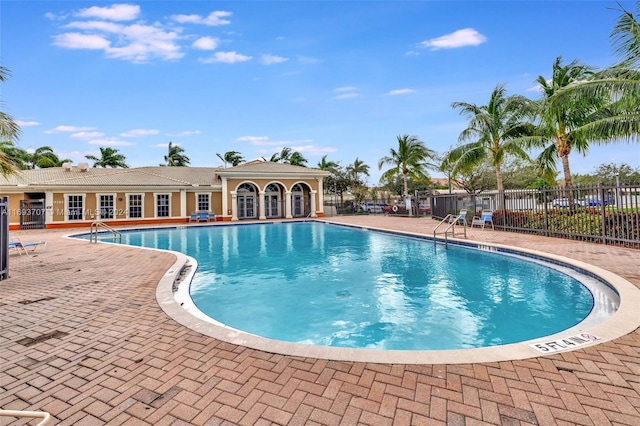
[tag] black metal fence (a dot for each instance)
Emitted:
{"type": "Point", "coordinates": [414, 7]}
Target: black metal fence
{"type": "Point", "coordinates": [607, 214]}
{"type": "Point", "coordinates": [4, 238]}
{"type": "Point", "coordinates": [32, 214]}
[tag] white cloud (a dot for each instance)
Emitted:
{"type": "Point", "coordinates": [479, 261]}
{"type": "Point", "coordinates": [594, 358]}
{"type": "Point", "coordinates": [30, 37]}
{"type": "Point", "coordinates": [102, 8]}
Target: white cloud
{"type": "Point", "coordinates": [109, 142]}
{"type": "Point", "coordinates": [227, 58]}
{"type": "Point", "coordinates": [257, 140]}
{"type": "Point", "coordinates": [81, 41]}
{"type": "Point", "coordinates": [136, 133]}
{"type": "Point", "coordinates": [460, 38]}
{"type": "Point", "coordinates": [100, 26]}
{"type": "Point", "coordinates": [313, 150]}
{"type": "Point", "coordinates": [27, 123]}
{"type": "Point", "coordinates": [116, 12]}
{"type": "Point", "coordinates": [213, 19]}
{"type": "Point", "coordinates": [345, 89]}
{"type": "Point", "coordinates": [273, 59]}
{"type": "Point", "coordinates": [86, 135]}
{"type": "Point", "coordinates": [400, 92]}
{"type": "Point", "coordinates": [206, 43]}
{"type": "Point", "coordinates": [68, 129]}
{"type": "Point", "coordinates": [185, 133]}
{"type": "Point", "coordinates": [166, 145]}
{"type": "Point", "coordinates": [347, 96]}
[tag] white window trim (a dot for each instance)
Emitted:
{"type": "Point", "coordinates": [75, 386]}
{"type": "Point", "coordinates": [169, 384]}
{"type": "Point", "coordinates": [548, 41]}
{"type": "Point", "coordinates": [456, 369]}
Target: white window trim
{"type": "Point", "coordinates": [155, 204]}
{"type": "Point", "coordinates": [96, 214]}
{"type": "Point", "coordinates": [141, 194]}
{"type": "Point", "coordinates": [197, 194]}
{"type": "Point", "coordinates": [66, 207]}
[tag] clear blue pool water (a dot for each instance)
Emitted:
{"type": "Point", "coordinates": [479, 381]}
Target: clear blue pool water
{"type": "Point", "coordinates": [331, 285]}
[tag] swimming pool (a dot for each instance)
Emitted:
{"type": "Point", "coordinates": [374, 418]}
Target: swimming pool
{"type": "Point", "coordinates": [318, 284]}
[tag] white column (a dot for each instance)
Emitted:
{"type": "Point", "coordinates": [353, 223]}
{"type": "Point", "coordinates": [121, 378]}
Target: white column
{"type": "Point", "coordinates": [287, 205]}
{"type": "Point", "coordinates": [183, 203]}
{"type": "Point", "coordinates": [313, 203]}
{"type": "Point", "coordinates": [225, 196]}
{"type": "Point", "coordinates": [48, 207]}
{"type": "Point", "coordinates": [261, 214]}
{"type": "Point", "coordinates": [234, 205]}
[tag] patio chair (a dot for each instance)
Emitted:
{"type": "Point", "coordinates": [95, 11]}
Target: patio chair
{"type": "Point", "coordinates": [203, 217]}
{"type": "Point", "coordinates": [212, 216]}
{"type": "Point", "coordinates": [22, 247]}
{"type": "Point", "coordinates": [486, 216]}
{"type": "Point", "coordinates": [462, 216]}
{"type": "Point", "coordinates": [193, 217]}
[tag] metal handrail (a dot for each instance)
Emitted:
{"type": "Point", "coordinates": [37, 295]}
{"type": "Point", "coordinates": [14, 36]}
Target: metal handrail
{"type": "Point", "coordinates": [93, 234]}
{"type": "Point", "coordinates": [37, 414]}
{"type": "Point", "coordinates": [452, 220]}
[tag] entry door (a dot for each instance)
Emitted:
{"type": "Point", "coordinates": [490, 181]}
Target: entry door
{"type": "Point", "coordinates": [271, 206]}
{"type": "Point", "coordinates": [298, 206]}
{"type": "Point", "coordinates": [246, 207]}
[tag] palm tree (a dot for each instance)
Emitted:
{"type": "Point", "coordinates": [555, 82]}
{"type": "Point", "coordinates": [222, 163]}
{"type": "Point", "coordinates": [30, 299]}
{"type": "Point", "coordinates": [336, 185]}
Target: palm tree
{"type": "Point", "coordinates": [287, 156]}
{"type": "Point", "coordinates": [175, 158]}
{"type": "Point", "coordinates": [20, 158]}
{"type": "Point", "coordinates": [494, 131]}
{"type": "Point", "coordinates": [232, 157]}
{"type": "Point", "coordinates": [282, 156]}
{"type": "Point", "coordinates": [297, 159]}
{"type": "Point", "coordinates": [45, 157]}
{"type": "Point", "coordinates": [9, 131]}
{"type": "Point", "coordinates": [570, 122]}
{"type": "Point", "coordinates": [329, 166]}
{"type": "Point", "coordinates": [109, 157]}
{"type": "Point", "coordinates": [410, 160]}
{"type": "Point", "coordinates": [358, 167]}
{"type": "Point", "coordinates": [626, 34]}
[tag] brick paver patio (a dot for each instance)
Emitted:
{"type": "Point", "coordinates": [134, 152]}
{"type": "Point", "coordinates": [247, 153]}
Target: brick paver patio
{"type": "Point", "coordinates": [83, 338]}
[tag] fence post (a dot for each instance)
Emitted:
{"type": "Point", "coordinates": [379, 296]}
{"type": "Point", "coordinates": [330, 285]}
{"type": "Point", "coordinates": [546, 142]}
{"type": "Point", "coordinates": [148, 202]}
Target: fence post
{"type": "Point", "coordinates": [4, 238]}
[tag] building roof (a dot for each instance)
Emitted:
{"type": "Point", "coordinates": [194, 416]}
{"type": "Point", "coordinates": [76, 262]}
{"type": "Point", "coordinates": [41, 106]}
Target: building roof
{"type": "Point", "coordinates": [158, 176]}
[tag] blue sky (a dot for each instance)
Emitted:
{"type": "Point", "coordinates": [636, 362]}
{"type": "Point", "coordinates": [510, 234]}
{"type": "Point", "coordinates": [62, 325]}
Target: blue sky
{"type": "Point", "coordinates": [341, 78]}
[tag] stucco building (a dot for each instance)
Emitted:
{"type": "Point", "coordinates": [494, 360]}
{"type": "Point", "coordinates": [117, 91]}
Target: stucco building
{"type": "Point", "coordinates": [75, 195]}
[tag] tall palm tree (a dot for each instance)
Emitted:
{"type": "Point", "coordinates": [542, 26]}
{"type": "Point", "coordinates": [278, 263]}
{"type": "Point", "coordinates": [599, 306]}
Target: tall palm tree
{"type": "Point", "coordinates": [175, 156]}
{"type": "Point", "coordinates": [358, 167]}
{"type": "Point", "coordinates": [109, 157]}
{"type": "Point", "coordinates": [9, 131]}
{"type": "Point", "coordinates": [572, 121]}
{"type": "Point", "coordinates": [494, 131]}
{"type": "Point", "coordinates": [626, 35]}
{"type": "Point", "coordinates": [410, 160]}
{"type": "Point", "coordinates": [232, 157]}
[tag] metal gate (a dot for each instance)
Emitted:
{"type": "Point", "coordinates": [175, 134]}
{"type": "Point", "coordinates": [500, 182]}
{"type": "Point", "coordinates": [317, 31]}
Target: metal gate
{"type": "Point", "coordinates": [32, 214]}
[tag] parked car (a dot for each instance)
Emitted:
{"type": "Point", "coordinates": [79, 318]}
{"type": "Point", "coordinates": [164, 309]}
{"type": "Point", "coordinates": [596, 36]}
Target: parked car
{"type": "Point", "coordinates": [372, 207]}
{"type": "Point", "coordinates": [424, 209]}
{"type": "Point", "coordinates": [564, 202]}
{"type": "Point", "coordinates": [594, 200]}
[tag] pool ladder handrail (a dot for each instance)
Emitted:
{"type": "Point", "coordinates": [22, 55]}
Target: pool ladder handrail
{"type": "Point", "coordinates": [34, 414]}
{"type": "Point", "coordinates": [452, 220]}
{"type": "Point", "coordinates": [94, 232]}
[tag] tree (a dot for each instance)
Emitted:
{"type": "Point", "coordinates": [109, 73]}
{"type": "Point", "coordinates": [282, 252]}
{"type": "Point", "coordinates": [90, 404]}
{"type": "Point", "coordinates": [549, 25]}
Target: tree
{"type": "Point", "coordinates": [175, 156]}
{"type": "Point", "coordinates": [45, 157]}
{"type": "Point", "coordinates": [626, 35]}
{"type": "Point", "coordinates": [287, 156]}
{"type": "Point", "coordinates": [9, 131]}
{"type": "Point", "coordinates": [329, 166]}
{"type": "Point", "coordinates": [297, 159]}
{"type": "Point", "coordinates": [109, 157]}
{"type": "Point", "coordinates": [570, 122]}
{"type": "Point", "coordinates": [358, 167]}
{"type": "Point", "coordinates": [20, 158]}
{"type": "Point", "coordinates": [409, 160]}
{"type": "Point", "coordinates": [232, 157]}
{"type": "Point", "coordinates": [495, 131]}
